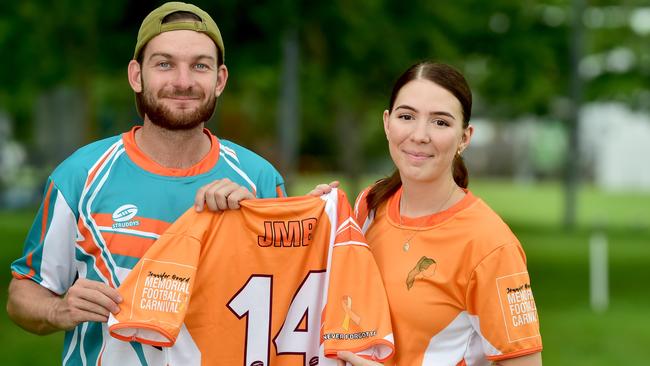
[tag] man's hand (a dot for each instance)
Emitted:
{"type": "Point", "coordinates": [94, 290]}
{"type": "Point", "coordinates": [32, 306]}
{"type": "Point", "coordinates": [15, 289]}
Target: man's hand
{"type": "Point", "coordinates": [85, 301]}
{"type": "Point", "coordinates": [220, 195]}
{"type": "Point", "coordinates": [354, 360]}
{"type": "Point", "coordinates": [322, 189]}
{"type": "Point", "coordinates": [40, 311]}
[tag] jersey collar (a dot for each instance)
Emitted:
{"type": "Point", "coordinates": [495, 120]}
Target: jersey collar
{"type": "Point", "coordinates": [429, 220]}
{"type": "Point", "coordinates": [146, 163]}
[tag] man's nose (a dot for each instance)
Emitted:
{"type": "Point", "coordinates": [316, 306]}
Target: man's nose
{"type": "Point", "coordinates": [183, 78]}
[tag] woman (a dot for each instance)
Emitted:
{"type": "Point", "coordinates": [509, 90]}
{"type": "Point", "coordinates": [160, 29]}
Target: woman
{"type": "Point", "coordinates": [455, 274]}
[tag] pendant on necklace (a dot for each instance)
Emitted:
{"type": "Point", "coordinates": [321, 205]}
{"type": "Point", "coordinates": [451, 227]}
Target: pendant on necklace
{"type": "Point", "coordinates": [406, 246]}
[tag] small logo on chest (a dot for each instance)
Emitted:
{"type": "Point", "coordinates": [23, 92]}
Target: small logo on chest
{"type": "Point", "coordinates": [123, 215]}
{"type": "Point", "coordinates": [426, 267]}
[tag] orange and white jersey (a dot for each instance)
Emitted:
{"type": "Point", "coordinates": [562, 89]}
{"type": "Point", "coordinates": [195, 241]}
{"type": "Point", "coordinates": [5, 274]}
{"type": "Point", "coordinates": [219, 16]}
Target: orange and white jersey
{"type": "Point", "coordinates": [286, 281]}
{"type": "Point", "coordinates": [457, 284]}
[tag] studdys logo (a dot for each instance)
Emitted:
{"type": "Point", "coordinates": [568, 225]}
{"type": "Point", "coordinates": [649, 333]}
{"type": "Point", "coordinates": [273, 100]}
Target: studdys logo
{"type": "Point", "coordinates": [123, 214]}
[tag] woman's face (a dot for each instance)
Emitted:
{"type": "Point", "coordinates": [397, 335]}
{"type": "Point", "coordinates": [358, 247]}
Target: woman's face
{"type": "Point", "coordinates": [424, 131]}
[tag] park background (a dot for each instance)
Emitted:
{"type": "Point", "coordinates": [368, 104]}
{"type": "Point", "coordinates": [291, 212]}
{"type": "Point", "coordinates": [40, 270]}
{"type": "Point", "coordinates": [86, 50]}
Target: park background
{"type": "Point", "coordinates": [561, 110]}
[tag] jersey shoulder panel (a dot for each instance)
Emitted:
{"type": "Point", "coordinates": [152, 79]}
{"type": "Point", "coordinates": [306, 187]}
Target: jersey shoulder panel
{"type": "Point", "coordinates": [487, 227]}
{"type": "Point", "coordinates": [71, 175]}
{"type": "Point", "coordinates": [361, 212]}
{"type": "Point", "coordinates": [263, 174]}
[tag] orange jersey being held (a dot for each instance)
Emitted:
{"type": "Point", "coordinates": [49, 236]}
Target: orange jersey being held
{"type": "Point", "coordinates": [286, 281]}
{"type": "Point", "coordinates": [457, 284]}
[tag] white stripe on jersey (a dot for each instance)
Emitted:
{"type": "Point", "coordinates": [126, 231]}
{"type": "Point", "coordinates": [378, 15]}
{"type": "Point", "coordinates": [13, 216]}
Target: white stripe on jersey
{"type": "Point", "coordinates": [71, 346]}
{"type": "Point", "coordinates": [358, 202]}
{"type": "Point", "coordinates": [230, 152]}
{"type": "Point", "coordinates": [87, 219]}
{"type": "Point", "coordinates": [90, 223]}
{"type": "Point", "coordinates": [103, 347]}
{"type": "Point", "coordinates": [82, 351]}
{"type": "Point", "coordinates": [57, 267]}
{"type": "Point", "coordinates": [239, 171]}
{"type": "Point", "coordinates": [352, 242]}
{"type": "Point", "coordinates": [349, 222]}
{"type": "Point", "coordinates": [449, 346]}
{"type": "Point", "coordinates": [331, 208]}
{"type": "Point", "coordinates": [368, 222]}
{"type": "Point", "coordinates": [146, 234]}
{"type": "Point", "coordinates": [108, 152]}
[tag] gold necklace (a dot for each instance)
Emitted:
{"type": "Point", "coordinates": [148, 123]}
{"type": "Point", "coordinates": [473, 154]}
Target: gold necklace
{"type": "Point", "coordinates": [407, 242]}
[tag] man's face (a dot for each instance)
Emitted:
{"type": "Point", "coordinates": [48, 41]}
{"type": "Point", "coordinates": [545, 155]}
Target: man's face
{"type": "Point", "coordinates": [179, 76]}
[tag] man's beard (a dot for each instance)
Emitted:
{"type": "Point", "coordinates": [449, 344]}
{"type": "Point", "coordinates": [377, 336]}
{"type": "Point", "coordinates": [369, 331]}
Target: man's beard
{"type": "Point", "coordinates": [161, 116]}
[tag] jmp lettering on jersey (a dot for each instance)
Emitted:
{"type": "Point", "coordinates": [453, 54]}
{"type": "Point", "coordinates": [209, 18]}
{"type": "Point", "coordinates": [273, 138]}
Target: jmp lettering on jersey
{"type": "Point", "coordinates": [287, 233]}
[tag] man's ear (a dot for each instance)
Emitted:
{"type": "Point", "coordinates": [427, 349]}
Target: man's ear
{"type": "Point", "coordinates": [134, 73]}
{"type": "Point", "coordinates": [222, 78]}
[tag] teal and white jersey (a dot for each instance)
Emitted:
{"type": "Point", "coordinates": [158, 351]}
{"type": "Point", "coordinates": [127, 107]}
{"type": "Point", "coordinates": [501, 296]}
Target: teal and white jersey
{"type": "Point", "coordinates": [103, 208]}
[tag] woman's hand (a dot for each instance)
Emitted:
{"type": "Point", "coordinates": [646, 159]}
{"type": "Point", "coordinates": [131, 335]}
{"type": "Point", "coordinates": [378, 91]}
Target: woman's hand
{"type": "Point", "coordinates": [354, 360]}
{"type": "Point", "coordinates": [322, 189]}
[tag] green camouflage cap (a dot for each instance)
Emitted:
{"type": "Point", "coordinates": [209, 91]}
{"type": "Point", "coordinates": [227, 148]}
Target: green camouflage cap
{"type": "Point", "coordinates": [153, 25]}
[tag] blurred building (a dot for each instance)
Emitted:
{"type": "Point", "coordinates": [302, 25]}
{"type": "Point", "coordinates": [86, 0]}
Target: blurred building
{"type": "Point", "coordinates": [613, 139]}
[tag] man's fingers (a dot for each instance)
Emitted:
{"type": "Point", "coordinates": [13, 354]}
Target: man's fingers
{"type": "Point", "coordinates": [199, 198]}
{"type": "Point", "coordinates": [241, 193]}
{"type": "Point", "coordinates": [206, 195]}
{"type": "Point", "coordinates": [94, 292]}
{"type": "Point", "coordinates": [108, 291]}
{"type": "Point", "coordinates": [226, 195]}
{"type": "Point", "coordinates": [221, 194]}
{"type": "Point", "coordinates": [81, 306]}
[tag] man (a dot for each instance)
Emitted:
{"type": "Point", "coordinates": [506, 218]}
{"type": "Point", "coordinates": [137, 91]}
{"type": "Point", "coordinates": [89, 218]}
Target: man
{"type": "Point", "coordinates": [109, 201]}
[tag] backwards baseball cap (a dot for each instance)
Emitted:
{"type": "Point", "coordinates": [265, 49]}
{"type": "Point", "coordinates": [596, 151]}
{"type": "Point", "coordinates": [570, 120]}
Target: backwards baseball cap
{"type": "Point", "coordinates": [153, 25]}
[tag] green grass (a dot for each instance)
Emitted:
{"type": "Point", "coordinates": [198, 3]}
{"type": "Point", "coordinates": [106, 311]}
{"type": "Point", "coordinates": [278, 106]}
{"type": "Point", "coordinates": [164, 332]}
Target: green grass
{"type": "Point", "coordinates": [558, 262]}
{"type": "Point", "coordinates": [19, 347]}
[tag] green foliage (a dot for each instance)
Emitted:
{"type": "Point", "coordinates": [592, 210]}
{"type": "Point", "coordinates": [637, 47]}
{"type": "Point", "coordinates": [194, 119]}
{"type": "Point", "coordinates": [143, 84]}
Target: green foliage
{"type": "Point", "coordinates": [514, 53]}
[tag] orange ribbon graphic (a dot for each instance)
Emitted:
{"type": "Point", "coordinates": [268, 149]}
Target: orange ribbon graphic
{"type": "Point", "coordinates": [346, 301]}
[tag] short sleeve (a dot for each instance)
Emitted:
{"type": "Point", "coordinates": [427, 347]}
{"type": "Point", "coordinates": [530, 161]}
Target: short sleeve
{"type": "Point", "coordinates": [157, 291]}
{"type": "Point", "coordinates": [356, 317]}
{"type": "Point", "coordinates": [48, 252]}
{"type": "Point", "coordinates": [502, 306]}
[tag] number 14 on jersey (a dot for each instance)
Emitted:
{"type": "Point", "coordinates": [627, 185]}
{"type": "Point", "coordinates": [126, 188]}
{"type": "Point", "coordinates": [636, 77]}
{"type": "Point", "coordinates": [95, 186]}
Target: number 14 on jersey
{"type": "Point", "coordinates": [254, 302]}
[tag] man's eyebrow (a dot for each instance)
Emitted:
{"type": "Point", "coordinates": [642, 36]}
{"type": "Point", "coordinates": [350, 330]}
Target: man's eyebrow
{"type": "Point", "coordinates": [167, 55]}
{"type": "Point", "coordinates": [199, 57]}
{"type": "Point", "coordinates": [160, 54]}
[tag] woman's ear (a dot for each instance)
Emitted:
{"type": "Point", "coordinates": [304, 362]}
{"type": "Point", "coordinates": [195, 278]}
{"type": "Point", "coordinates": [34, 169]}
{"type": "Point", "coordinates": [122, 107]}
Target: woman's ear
{"type": "Point", "coordinates": [466, 138]}
{"type": "Point", "coordinates": [386, 117]}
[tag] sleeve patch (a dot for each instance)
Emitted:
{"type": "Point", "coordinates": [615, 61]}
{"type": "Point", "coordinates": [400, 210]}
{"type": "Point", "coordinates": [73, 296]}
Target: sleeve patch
{"type": "Point", "coordinates": [518, 306]}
